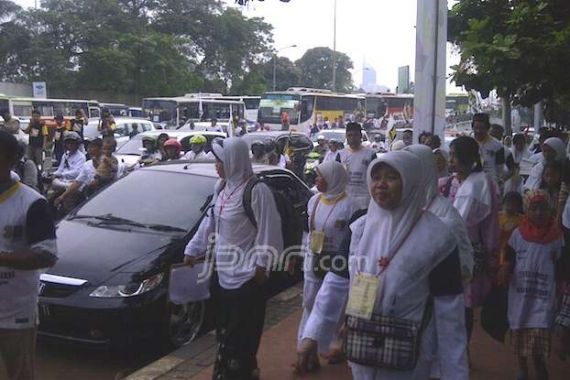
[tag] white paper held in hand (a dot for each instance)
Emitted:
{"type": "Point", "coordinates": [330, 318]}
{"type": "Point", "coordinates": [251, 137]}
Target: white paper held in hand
{"type": "Point", "coordinates": [189, 284]}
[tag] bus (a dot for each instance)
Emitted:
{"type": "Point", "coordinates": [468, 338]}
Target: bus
{"type": "Point", "coordinates": [251, 105]}
{"type": "Point", "coordinates": [306, 106]}
{"type": "Point", "coordinates": [173, 113]}
{"type": "Point", "coordinates": [116, 109]}
{"type": "Point", "coordinates": [457, 107]}
{"type": "Point", "coordinates": [21, 108]}
{"type": "Point", "coordinates": [398, 107]}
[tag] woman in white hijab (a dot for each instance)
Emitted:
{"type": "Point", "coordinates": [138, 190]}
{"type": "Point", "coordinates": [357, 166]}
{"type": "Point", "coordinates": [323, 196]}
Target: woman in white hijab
{"type": "Point", "coordinates": [449, 354]}
{"type": "Point", "coordinates": [553, 149]}
{"type": "Point", "coordinates": [408, 256]}
{"type": "Point", "coordinates": [243, 255]}
{"type": "Point", "coordinates": [329, 212]}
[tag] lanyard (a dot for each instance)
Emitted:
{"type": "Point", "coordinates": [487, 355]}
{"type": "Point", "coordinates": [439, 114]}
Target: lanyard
{"type": "Point", "coordinates": [384, 261]}
{"type": "Point", "coordinates": [336, 202]}
{"type": "Point", "coordinates": [225, 199]}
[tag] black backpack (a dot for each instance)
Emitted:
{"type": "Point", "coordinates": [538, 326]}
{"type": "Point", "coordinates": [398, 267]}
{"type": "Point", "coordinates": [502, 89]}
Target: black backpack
{"type": "Point", "coordinates": [291, 223]}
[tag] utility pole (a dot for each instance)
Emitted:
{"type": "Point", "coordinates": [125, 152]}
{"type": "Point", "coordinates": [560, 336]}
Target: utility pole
{"type": "Point", "coordinates": [334, 51]}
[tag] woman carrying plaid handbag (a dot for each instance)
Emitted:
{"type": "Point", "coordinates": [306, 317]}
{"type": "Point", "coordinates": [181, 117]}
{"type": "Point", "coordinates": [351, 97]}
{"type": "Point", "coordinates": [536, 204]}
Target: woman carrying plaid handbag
{"type": "Point", "coordinates": [409, 256]}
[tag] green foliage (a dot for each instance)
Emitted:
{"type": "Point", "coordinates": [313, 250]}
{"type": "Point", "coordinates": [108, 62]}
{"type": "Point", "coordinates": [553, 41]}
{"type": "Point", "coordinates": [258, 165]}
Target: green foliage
{"type": "Point", "coordinates": [520, 48]}
{"type": "Point", "coordinates": [316, 67]}
{"type": "Point", "coordinates": [141, 47]}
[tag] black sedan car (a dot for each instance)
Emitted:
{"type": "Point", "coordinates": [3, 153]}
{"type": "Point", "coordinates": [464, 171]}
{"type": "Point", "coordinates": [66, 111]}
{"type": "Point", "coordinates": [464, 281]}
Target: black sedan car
{"type": "Point", "coordinates": [110, 284]}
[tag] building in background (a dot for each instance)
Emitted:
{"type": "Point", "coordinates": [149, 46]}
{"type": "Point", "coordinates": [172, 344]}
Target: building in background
{"type": "Point", "coordinates": [404, 80]}
{"type": "Point", "coordinates": [368, 78]}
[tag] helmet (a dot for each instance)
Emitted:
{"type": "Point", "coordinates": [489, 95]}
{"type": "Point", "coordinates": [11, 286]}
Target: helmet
{"type": "Point", "coordinates": [198, 139]}
{"type": "Point", "coordinates": [257, 143]}
{"type": "Point", "coordinates": [270, 146]}
{"type": "Point", "coordinates": [72, 136]}
{"type": "Point", "coordinates": [173, 143]}
{"type": "Point", "coordinates": [321, 137]}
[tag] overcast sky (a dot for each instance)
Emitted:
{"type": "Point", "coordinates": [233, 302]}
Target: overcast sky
{"type": "Point", "coordinates": [379, 32]}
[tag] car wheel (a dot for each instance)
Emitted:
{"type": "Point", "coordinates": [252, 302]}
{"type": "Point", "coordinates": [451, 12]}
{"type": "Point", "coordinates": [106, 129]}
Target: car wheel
{"type": "Point", "coordinates": [184, 322]}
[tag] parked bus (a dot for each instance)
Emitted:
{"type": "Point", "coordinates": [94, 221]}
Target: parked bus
{"type": "Point", "coordinates": [173, 113]}
{"type": "Point", "coordinates": [116, 109]}
{"type": "Point", "coordinates": [21, 108]}
{"type": "Point", "coordinates": [304, 107]}
{"type": "Point", "coordinates": [398, 107]}
{"type": "Point", "coordinates": [456, 106]}
{"type": "Point", "coordinates": [251, 105]}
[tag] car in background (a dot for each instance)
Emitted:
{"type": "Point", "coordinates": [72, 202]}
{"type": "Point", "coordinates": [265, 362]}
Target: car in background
{"type": "Point", "coordinates": [123, 131]}
{"type": "Point", "coordinates": [340, 135]}
{"type": "Point", "coordinates": [131, 152]}
{"type": "Point", "coordinates": [109, 286]}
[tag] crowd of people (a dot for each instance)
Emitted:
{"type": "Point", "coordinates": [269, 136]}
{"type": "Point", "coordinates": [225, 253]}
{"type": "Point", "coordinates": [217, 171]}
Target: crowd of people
{"type": "Point", "coordinates": [400, 250]}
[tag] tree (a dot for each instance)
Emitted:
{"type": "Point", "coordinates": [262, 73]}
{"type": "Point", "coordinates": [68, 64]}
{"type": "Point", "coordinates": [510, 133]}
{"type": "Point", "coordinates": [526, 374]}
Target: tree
{"type": "Point", "coordinates": [520, 48]}
{"type": "Point", "coordinates": [140, 47]}
{"type": "Point", "coordinates": [287, 74]}
{"type": "Point", "coordinates": [316, 69]}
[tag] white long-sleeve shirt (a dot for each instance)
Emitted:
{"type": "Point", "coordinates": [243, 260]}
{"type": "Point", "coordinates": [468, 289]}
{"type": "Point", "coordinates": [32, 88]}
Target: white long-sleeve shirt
{"type": "Point", "coordinates": [70, 165]}
{"type": "Point", "coordinates": [240, 247]}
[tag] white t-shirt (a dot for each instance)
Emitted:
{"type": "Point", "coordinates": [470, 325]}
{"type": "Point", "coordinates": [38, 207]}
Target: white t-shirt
{"type": "Point", "coordinates": [200, 156]}
{"type": "Point", "coordinates": [87, 174]}
{"type": "Point", "coordinates": [492, 157]}
{"type": "Point", "coordinates": [356, 164]}
{"type": "Point", "coordinates": [532, 292]}
{"type": "Point", "coordinates": [25, 223]}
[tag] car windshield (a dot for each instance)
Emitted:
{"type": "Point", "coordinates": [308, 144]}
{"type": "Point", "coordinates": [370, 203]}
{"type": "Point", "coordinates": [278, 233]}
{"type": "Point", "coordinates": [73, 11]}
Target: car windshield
{"type": "Point", "coordinates": [132, 147]}
{"type": "Point", "coordinates": [176, 199]}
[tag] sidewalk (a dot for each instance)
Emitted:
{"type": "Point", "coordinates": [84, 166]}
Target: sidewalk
{"type": "Point", "coordinates": [490, 360]}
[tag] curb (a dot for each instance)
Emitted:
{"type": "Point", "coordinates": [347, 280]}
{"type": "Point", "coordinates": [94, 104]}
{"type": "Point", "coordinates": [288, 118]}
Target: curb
{"type": "Point", "coordinates": [198, 355]}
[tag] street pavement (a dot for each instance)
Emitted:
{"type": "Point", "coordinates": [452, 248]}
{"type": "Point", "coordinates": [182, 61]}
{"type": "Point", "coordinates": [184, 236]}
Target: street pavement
{"type": "Point", "coordinates": [489, 360]}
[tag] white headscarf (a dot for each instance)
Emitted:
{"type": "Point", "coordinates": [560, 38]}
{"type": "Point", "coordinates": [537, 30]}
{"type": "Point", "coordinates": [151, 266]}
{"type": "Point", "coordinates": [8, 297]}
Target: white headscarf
{"type": "Point", "coordinates": [335, 176]}
{"type": "Point", "coordinates": [428, 169]}
{"type": "Point", "coordinates": [445, 171]}
{"type": "Point", "coordinates": [234, 153]}
{"type": "Point", "coordinates": [386, 229]}
{"type": "Point", "coordinates": [558, 146]}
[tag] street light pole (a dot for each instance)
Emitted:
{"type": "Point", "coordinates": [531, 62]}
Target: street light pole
{"type": "Point", "coordinates": [334, 51]}
{"type": "Point", "coordinates": [275, 63]}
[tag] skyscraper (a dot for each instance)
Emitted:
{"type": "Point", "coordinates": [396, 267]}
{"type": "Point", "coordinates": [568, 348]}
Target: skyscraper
{"type": "Point", "coordinates": [368, 78]}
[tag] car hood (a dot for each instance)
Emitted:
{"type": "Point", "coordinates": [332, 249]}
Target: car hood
{"type": "Point", "coordinates": [96, 254]}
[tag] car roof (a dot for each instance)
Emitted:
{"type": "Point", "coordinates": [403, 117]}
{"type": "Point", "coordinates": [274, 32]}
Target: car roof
{"type": "Point", "coordinates": [180, 134]}
{"type": "Point", "coordinates": [204, 168]}
{"type": "Point", "coordinates": [123, 119]}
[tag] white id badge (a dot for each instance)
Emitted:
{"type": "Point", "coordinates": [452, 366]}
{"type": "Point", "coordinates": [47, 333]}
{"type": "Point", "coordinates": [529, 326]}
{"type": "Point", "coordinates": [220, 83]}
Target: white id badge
{"type": "Point", "coordinates": [57, 136]}
{"type": "Point", "coordinates": [34, 132]}
{"type": "Point", "coordinates": [362, 296]}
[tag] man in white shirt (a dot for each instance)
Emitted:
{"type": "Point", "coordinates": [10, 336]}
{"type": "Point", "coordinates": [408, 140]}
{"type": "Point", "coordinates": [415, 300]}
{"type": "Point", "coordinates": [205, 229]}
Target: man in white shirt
{"type": "Point", "coordinates": [197, 149]}
{"type": "Point", "coordinates": [27, 245]}
{"type": "Point", "coordinates": [71, 163]}
{"type": "Point", "coordinates": [491, 151]}
{"type": "Point", "coordinates": [214, 127]}
{"type": "Point", "coordinates": [356, 159]}
{"type": "Point", "coordinates": [72, 196]}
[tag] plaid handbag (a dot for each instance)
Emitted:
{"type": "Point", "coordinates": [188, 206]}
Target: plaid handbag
{"type": "Point", "coordinates": [385, 342]}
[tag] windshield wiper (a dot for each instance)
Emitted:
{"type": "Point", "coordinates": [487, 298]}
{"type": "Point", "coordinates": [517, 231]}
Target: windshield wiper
{"type": "Point", "coordinates": [109, 218]}
{"type": "Point", "coordinates": [164, 228]}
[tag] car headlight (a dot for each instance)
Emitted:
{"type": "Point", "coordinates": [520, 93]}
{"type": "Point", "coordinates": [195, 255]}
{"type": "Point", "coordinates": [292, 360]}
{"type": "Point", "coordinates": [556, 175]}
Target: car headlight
{"type": "Point", "coordinates": [130, 290]}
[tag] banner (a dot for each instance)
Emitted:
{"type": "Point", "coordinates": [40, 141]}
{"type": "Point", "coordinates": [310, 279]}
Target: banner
{"type": "Point", "coordinates": [429, 95]}
{"type": "Point", "coordinates": [39, 90]}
